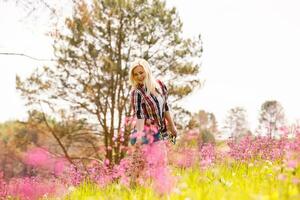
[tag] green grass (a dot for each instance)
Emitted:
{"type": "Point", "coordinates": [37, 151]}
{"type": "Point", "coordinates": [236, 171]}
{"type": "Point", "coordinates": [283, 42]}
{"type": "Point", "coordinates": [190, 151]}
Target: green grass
{"type": "Point", "coordinates": [88, 191]}
{"type": "Point", "coordinates": [257, 181]}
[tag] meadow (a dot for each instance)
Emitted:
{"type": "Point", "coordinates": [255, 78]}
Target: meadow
{"type": "Point", "coordinates": [249, 168]}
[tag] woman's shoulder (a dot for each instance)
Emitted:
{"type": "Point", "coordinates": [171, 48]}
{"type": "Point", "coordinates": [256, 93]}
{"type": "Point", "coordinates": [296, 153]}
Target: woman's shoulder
{"type": "Point", "coordinates": [135, 91]}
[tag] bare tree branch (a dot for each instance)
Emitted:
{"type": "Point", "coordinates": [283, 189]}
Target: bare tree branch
{"type": "Point", "coordinates": [27, 56]}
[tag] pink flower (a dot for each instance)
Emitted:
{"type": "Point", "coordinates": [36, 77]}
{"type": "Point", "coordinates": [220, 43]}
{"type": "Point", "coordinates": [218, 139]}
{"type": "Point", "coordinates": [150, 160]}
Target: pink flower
{"type": "Point", "coordinates": [153, 128]}
{"type": "Point", "coordinates": [150, 138]}
{"type": "Point", "coordinates": [3, 186]}
{"type": "Point", "coordinates": [284, 130]}
{"type": "Point", "coordinates": [60, 166]}
{"type": "Point", "coordinates": [139, 135]}
{"type": "Point", "coordinates": [146, 128]}
{"type": "Point", "coordinates": [37, 157]}
{"type": "Point", "coordinates": [106, 162]}
{"type": "Point", "coordinates": [292, 164]}
{"type": "Point", "coordinates": [157, 168]}
{"type": "Point", "coordinates": [32, 188]}
{"type": "Point", "coordinates": [295, 180]}
{"type": "Point", "coordinates": [281, 177]}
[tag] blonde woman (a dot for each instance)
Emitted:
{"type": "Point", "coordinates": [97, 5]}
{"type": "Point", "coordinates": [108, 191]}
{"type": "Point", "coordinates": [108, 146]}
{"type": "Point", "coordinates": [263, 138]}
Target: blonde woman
{"type": "Point", "coordinates": [149, 99]}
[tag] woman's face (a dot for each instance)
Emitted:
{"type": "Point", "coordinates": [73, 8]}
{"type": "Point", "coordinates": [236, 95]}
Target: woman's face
{"type": "Point", "coordinates": [139, 74]}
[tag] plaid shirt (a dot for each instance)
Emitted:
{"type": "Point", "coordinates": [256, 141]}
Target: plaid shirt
{"type": "Point", "coordinates": [147, 106]}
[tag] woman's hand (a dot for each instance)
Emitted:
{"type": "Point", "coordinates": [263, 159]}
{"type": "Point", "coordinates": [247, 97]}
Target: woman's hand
{"type": "Point", "coordinates": [173, 130]}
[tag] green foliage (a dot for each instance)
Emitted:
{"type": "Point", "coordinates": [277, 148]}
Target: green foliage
{"type": "Point", "coordinates": [206, 124]}
{"type": "Point", "coordinates": [15, 133]}
{"type": "Point", "coordinates": [115, 191]}
{"type": "Point", "coordinates": [207, 137]}
{"type": "Point", "coordinates": [203, 121]}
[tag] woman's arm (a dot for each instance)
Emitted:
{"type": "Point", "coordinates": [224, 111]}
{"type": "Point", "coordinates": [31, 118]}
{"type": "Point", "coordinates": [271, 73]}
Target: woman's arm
{"type": "Point", "coordinates": [171, 125]}
{"type": "Point", "coordinates": [140, 125]}
{"type": "Point", "coordinates": [139, 128]}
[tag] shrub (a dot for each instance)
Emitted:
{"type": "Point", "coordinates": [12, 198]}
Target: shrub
{"type": "Point", "coordinates": [207, 137]}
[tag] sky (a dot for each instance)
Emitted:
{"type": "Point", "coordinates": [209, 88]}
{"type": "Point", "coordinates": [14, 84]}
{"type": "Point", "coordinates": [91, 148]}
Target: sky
{"type": "Point", "coordinates": [251, 55]}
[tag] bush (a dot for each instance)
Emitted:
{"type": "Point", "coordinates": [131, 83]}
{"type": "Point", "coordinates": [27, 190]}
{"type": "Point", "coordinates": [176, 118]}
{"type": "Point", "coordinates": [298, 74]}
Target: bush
{"type": "Point", "coordinates": [207, 137]}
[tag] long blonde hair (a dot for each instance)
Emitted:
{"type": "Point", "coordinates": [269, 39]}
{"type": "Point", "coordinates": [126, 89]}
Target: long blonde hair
{"type": "Point", "coordinates": [149, 80]}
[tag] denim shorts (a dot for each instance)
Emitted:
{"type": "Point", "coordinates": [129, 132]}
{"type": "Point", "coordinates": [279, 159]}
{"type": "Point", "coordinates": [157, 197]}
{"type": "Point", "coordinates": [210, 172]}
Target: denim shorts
{"type": "Point", "coordinates": [145, 140]}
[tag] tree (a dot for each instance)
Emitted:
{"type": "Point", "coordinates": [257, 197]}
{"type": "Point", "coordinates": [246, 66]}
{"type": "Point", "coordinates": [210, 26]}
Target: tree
{"type": "Point", "coordinates": [90, 78]}
{"type": "Point", "coordinates": [206, 123]}
{"type": "Point", "coordinates": [71, 137]}
{"type": "Point", "coordinates": [236, 123]}
{"type": "Point", "coordinates": [12, 147]}
{"type": "Point", "coordinates": [271, 118]}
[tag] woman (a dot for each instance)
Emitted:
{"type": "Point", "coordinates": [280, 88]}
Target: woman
{"type": "Point", "coordinates": [149, 102]}
{"type": "Point", "coordinates": [153, 122]}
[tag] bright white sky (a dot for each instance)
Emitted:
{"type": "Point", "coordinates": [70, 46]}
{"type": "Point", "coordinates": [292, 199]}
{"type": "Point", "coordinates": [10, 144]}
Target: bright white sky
{"type": "Point", "coordinates": [251, 54]}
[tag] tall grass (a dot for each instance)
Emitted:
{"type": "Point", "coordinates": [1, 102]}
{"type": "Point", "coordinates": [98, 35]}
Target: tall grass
{"type": "Point", "coordinates": [234, 180]}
